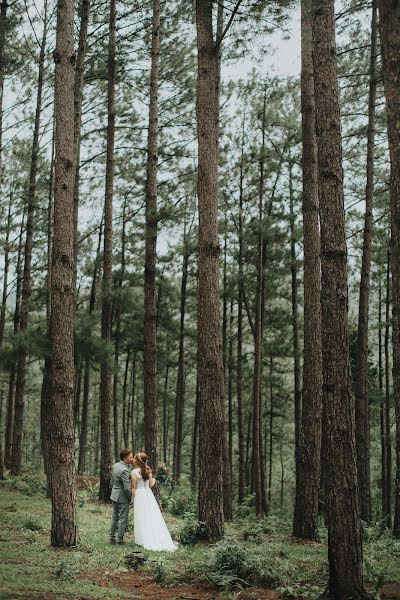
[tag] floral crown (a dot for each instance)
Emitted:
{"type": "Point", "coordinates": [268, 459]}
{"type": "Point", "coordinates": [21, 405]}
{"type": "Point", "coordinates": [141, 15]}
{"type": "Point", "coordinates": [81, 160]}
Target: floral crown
{"type": "Point", "coordinates": [144, 462]}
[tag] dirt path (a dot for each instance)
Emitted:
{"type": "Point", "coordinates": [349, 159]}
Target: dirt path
{"type": "Point", "coordinates": [136, 585]}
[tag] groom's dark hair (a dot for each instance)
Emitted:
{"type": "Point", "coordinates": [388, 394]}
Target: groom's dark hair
{"type": "Point", "coordinates": [124, 453]}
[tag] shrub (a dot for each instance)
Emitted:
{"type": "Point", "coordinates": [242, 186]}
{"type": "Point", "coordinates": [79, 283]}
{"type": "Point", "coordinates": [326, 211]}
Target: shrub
{"type": "Point", "coordinates": [30, 485]}
{"type": "Point", "coordinates": [230, 558]}
{"type": "Point", "coordinates": [193, 531]}
{"type": "Point", "coordinates": [32, 525]}
{"type": "Point", "coordinates": [180, 500]}
{"type": "Point", "coordinates": [160, 569]}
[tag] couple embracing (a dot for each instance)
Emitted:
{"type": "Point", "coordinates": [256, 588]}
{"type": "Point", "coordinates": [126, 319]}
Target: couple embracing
{"type": "Point", "coordinates": [134, 488]}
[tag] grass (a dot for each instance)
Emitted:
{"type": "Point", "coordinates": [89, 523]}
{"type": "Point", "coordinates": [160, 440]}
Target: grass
{"type": "Point", "coordinates": [254, 553]}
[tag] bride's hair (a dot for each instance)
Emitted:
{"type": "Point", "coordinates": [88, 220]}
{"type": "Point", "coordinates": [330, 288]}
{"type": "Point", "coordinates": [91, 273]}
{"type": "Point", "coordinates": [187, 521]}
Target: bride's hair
{"type": "Point", "coordinates": [141, 459]}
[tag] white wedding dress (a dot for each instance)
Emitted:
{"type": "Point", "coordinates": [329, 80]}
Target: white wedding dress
{"type": "Point", "coordinates": [150, 528]}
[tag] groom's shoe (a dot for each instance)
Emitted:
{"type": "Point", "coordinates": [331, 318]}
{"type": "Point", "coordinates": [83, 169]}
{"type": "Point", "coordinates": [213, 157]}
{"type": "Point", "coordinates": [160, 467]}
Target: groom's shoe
{"type": "Point", "coordinates": [121, 543]}
{"type": "Point", "coordinates": [112, 541]}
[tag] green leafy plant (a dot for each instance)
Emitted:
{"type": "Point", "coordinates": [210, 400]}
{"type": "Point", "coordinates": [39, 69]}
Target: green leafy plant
{"type": "Point", "coordinates": [193, 531]}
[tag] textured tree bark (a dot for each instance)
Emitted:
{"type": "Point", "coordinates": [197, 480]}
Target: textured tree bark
{"type": "Point", "coordinates": [126, 401]}
{"type": "Point", "coordinates": [11, 384]}
{"type": "Point", "coordinates": [180, 386]}
{"type": "Point", "coordinates": [5, 272]}
{"type": "Point", "coordinates": [45, 394]}
{"type": "Point", "coordinates": [295, 321]}
{"type": "Point", "coordinates": [86, 369]}
{"type": "Point", "coordinates": [344, 532]}
{"type": "Point", "coordinates": [210, 368]}
{"type": "Point", "coordinates": [16, 456]}
{"type": "Point", "coordinates": [3, 27]}
{"type": "Point", "coordinates": [361, 383]}
{"type": "Point", "coordinates": [61, 469]}
{"type": "Point", "coordinates": [239, 367]}
{"type": "Point", "coordinates": [258, 337]}
{"type": "Point", "coordinates": [78, 96]}
{"type": "Point", "coordinates": [193, 461]}
{"type": "Point", "coordinates": [389, 27]}
{"type": "Point", "coordinates": [305, 521]}
{"type": "Point", "coordinates": [106, 305]}
{"type": "Point", "coordinates": [150, 303]}
{"type": "Point", "coordinates": [388, 440]}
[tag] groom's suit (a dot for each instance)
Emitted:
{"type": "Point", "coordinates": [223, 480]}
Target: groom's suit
{"type": "Point", "coordinates": [120, 498]}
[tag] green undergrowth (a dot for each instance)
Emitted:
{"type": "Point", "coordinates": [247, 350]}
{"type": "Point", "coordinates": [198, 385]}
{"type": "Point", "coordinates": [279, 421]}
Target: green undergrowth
{"type": "Point", "coordinates": [253, 553]}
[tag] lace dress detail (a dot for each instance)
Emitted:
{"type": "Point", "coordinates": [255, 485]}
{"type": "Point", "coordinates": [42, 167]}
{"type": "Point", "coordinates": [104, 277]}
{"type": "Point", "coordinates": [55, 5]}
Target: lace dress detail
{"type": "Point", "coordinates": [150, 528]}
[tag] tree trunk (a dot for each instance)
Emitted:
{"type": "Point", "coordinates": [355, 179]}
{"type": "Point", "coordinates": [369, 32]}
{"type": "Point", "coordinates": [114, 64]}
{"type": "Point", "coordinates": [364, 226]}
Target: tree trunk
{"type": "Point", "coordinates": [45, 394]}
{"type": "Point", "coordinates": [16, 456]}
{"type": "Point", "coordinates": [61, 473]}
{"type": "Point", "coordinates": [210, 368]}
{"type": "Point", "coordinates": [239, 367]}
{"type": "Point", "coordinates": [193, 462]}
{"type": "Point", "coordinates": [78, 96]}
{"type": "Point", "coordinates": [388, 444]}
{"type": "Point", "coordinates": [106, 307]}
{"type": "Point", "coordinates": [86, 370]}
{"type": "Point", "coordinates": [305, 521]}
{"type": "Point", "coordinates": [271, 429]}
{"type": "Point", "coordinates": [1, 438]}
{"type": "Point", "coordinates": [389, 27]}
{"type": "Point", "coordinates": [180, 387]}
{"type": "Point", "coordinates": [3, 27]}
{"type": "Point", "coordinates": [125, 401]}
{"type": "Point", "coordinates": [344, 531]}
{"type": "Point", "coordinates": [295, 322]}
{"type": "Point", "coordinates": [11, 385]}
{"type": "Point", "coordinates": [361, 383]}
{"type": "Point", "coordinates": [257, 422]}
{"type": "Point", "coordinates": [150, 303]}
{"type": "Point", "coordinates": [5, 273]}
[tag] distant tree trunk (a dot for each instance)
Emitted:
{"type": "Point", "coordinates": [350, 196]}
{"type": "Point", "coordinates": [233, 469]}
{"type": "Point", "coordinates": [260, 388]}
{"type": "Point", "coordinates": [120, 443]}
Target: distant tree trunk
{"type": "Point", "coordinates": [1, 438]}
{"type": "Point", "coordinates": [180, 387]}
{"type": "Point", "coordinates": [257, 422]}
{"type": "Point", "coordinates": [5, 273]}
{"type": "Point", "coordinates": [230, 400]}
{"type": "Point", "coordinates": [271, 430]}
{"type": "Point", "coordinates": [382, 405]}
{"type": "Point", "coordinates": [3, 27]}
{"type": "Point", "coordinates": [295, 319]}
{"type": "Point", "coordinates": [125, 401]}
{"type": "Point", "coordinates": [344, 539]}
{"type": "Point", "coordinates": [117, 336]}
{"type": "Point", "coordinates": [193, 462]}
{"type": "Point", "coordinates": [305, 520]}
{"type": "Point", "coordinates": [64, 529]}
{"type": "Point", "coordinates": [239, 366]}
{"type": "Point", "coordinates": [225, 346]}
{"type": "Point", "coordinates": [45, 394]}
{"type": "Point", "coordinates": [16, 456]}
{"type": "Point", "coordinates": [150, 306]}
{"type": "Point", "coordinates": [361, 383]}
{"type": "Point", "coordinates": [388, 442]}
{"type": "Point", "coordinates": [389, 27]}
{"type": "Point", "coordinates": [134, 413]}
{"type": "Point", "coordinates": [78, 95]}
{"type": "Point", "coordinates": [11, 384]}
{"type": "Point", "coordinates": [210, 368]}
{"type": "Point", "coordinates": [106, 307]}
{"type": "Point", "coordinates": [86, 370]}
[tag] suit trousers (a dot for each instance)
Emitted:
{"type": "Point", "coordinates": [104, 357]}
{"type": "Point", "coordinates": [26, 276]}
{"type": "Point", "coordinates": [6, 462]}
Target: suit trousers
{"type": "Point", "coordinates": [119, 520]}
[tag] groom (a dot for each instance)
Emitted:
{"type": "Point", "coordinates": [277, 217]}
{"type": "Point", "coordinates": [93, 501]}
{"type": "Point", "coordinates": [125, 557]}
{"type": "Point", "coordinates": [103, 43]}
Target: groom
{"type": "Point", "coordinates": [120, 496]}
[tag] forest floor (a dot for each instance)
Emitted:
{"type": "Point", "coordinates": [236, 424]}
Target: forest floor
{"type": "Point", "coordinates": [276, 565]}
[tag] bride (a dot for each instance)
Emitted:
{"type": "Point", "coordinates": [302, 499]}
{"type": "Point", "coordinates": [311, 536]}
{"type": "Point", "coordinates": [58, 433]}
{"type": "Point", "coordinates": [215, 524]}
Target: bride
{"type": "Point", "coordinates": [150, 528]}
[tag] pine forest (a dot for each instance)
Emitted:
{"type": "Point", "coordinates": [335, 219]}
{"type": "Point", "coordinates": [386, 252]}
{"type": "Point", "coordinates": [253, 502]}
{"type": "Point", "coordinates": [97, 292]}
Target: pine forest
{"type": "Point", "coordinates": [200, 278]}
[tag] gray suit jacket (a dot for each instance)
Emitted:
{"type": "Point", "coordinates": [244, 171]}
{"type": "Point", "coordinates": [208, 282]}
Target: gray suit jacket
{"type": "Point", "coordinates": [121, 483]}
